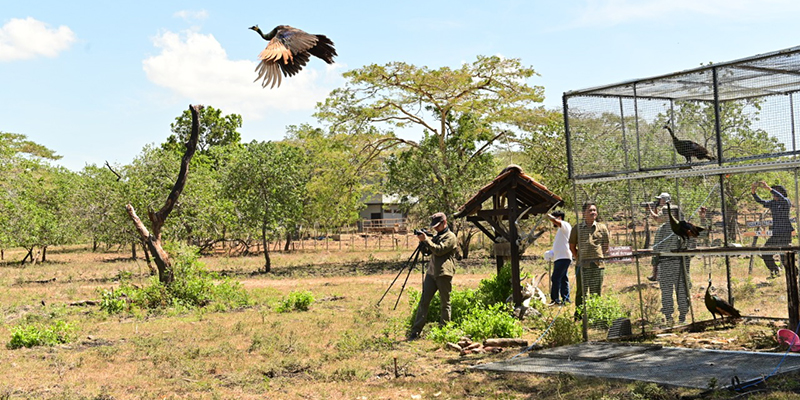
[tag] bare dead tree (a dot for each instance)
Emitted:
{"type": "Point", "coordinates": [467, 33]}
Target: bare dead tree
{"type": "Point", "coordinates": [157, 219]}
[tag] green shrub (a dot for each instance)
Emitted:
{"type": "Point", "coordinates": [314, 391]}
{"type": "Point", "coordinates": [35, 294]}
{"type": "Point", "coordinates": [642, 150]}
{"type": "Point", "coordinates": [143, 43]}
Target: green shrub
{"type": "Point", "coordinates": [447, 333]}
{"type": "Point", "coordinates": [40, 335]}
{"type": "Point", "coordinates": [494, 321]}
{"type": "Point", "coordinates": [193, 287]}
{"type": "Point", "coordinates": [563, 331]}
{"type": "Point", "coordinates": [296, 301]}
{"type": "Point", "coordinates": [603, 310]}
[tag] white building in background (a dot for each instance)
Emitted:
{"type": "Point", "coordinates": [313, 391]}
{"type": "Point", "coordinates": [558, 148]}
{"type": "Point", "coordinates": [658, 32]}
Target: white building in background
{"type": "Point", "coordinates": [382, 214]}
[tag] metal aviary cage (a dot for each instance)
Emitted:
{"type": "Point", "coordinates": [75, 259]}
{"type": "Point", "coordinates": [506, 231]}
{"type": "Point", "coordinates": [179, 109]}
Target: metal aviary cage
{"type": "Point", "coordinates": [708, 138]}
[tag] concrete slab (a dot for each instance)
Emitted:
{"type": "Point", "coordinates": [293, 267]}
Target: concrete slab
{"type": "Point", "coordinates": [694, 368]}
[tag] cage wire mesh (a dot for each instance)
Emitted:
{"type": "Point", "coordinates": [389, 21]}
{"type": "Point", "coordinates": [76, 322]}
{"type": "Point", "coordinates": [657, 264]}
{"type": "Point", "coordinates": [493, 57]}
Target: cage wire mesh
{"type": "Point", "coordinates": [710, 138]}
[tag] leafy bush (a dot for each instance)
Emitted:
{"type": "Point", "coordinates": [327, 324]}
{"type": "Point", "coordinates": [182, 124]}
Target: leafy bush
{"type": "Point", "coordinates": [494, 321]}
{"type": "Point", "coordinates": [563, 331]}
{"type": "Point", "coordinates": [40, 335]}
{"type": "Point", "coordinates": [193, 287]}
{"type": "Point", "coordinates": [447, 333]}
{"type": "Point", "coordinates": [603, 310]}
{"type": "Point", "coordinates": [296, 301]}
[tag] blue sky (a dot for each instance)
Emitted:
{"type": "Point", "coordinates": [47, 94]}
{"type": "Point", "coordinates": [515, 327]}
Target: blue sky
{"type": "Point", "coordinates": [97, 81]}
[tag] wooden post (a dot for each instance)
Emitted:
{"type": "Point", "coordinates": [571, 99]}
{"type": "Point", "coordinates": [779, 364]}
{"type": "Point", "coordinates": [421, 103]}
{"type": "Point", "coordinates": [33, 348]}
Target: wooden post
{"type": "Point", "coordinates": [793, 295]}
{"type": "Point", "coordinates": [516, 286]}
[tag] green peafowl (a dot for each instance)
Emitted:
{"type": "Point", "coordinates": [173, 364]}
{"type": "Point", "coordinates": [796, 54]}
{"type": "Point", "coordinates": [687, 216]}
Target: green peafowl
{"type": "Point", "coordinates": [688, 148]}
{"type": "Point", "coordinates": [682, 228]}
{"type": "Point", "coordinates": [288, 52]}
{"type": "Point", "coordinates": [716, 305]}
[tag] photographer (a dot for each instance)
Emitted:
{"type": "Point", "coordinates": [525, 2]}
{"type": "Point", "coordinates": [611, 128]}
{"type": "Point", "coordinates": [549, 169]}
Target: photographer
{"type": "Point", "coordinates": [657, 214]}
{"type": "Point", "coordinates": [439, 274]}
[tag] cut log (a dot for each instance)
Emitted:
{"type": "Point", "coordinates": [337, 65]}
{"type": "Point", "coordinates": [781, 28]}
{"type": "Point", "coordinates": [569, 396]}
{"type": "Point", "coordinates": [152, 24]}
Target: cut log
{"type": "Point", "coordinates": [505, 342]}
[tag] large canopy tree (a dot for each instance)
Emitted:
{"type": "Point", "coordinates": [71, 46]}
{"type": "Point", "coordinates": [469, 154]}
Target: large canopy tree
{"type": "Point", "coordinates": [462, 113]}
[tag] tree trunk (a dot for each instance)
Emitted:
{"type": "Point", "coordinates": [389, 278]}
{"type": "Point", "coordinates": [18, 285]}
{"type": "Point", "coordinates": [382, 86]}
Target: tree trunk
{"type": "Point", "coordinates": [44, 253]}
{"type": "Point", "coordinates": [133, 250]}
{"type": "Point", "coordinates": [267, 262]}
{"type": "Point", "coordinates": [94, 245]}
{"type": "Point", "coordinates": [150, 267]}
{"type": "Point", "coordinates": [288, 241]}
{"type": "Point", "coordinates": [30, 254]}
{"type": "Point", "coordinates": [157, 219]}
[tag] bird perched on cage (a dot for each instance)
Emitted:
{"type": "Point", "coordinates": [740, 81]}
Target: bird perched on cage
{"type": "Point", "coordinates": [688, 148]}
{"type": "Point", "coordinates": [682, 228]}
{"type": "Point", "coordinates": [288, 52]}
{"type": "Point", "coordinates": [716, 305]}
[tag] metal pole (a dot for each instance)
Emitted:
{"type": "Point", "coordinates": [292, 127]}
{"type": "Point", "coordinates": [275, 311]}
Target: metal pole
{"type": "Point", "coordinates": [718, 131]}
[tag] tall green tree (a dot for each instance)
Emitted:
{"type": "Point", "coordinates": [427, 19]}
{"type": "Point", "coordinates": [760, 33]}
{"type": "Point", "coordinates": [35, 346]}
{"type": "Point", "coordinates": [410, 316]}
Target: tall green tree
{"type": "Point", "coordinates": [461, 114]}
{"type": "Point", "coordinates": [266, 184]}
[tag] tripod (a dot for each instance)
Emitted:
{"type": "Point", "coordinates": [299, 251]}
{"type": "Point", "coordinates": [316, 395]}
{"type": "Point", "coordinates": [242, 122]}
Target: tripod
{"type": "Point", "coordinates": [417, 255]}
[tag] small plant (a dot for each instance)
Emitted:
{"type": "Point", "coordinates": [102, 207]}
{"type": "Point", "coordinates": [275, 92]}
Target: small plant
{"type": "Point", "coordinates": [744, 289]}
{"type": "Point", "coordinates": [494, 321]}
{"type": "Point", "coordinates": [647, 391]}
{"type": "Point", "coordinates": [447, 333]}
{"type": "Point", "coordinates": [603, 310]}
{"type": "Point", "coordinates": [39, 335]}
{"type": "Point", "coordinates": [563, 331]}
{"type": "Point", "coordinates": [296, 301]}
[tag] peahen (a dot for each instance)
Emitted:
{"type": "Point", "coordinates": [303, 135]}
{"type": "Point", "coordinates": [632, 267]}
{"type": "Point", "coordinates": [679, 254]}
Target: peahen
{"type": "Point", "coordinates": [682, 228]}
{"type": "Point", "coordinates": [716, 305]}
{"type": "Point", "coordinates": [688, 148]}
{"type": "Point", "coordinates": [288, 52]}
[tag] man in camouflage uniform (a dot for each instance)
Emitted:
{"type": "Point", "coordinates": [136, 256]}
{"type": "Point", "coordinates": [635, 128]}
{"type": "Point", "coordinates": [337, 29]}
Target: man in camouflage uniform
{"type": "Point", "coordinates": [439, 276]}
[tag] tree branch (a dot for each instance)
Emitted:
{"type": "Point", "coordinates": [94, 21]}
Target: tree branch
{"type": "Point", "coordinates": [114, 172]}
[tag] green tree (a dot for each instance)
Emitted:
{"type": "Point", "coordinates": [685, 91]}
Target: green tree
{"type": "Point", "coordinates": [215, 130]}
{"type": "Point", "coordinates": [461, 112]}
{"type": "Point", "coordinates": [338, 175]}
{"type": "Point", "coordinates": [266, 184]}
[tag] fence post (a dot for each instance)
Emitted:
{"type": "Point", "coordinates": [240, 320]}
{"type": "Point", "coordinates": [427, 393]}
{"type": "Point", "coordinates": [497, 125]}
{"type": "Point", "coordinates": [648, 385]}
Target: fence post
{"type": "Point", "coordinates": [792, 290]}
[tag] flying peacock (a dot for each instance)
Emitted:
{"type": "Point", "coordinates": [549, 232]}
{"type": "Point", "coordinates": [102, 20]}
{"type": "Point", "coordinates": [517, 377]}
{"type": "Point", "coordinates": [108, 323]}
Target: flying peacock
{"type": "Point", "coordinates": [688, 148]}
{"type": "Point", "coordinates": [682, 228]}
{"type": "Point", "coordinates": [716, 305]}
{"type": "Point", "coordinates": [288, 52]}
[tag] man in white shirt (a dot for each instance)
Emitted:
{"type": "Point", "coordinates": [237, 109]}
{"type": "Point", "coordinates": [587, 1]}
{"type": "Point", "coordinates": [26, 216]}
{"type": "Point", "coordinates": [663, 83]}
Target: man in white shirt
{"type": "Point", "coordinates": [559, 288]}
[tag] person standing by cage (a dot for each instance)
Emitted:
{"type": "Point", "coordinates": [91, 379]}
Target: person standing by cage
{"type": "Point", "coordinates": [439, 275]}
{"type": "Point", "coordinates": [588, 242]}
{"type": "Point", "coordinates": [671, 271]}
{"type": "Point", "coordinates": [559, 281]}
{"type": "Point", "coordinates": [782, 228]}
{"type": "Point", "coordinates": [656, 214]}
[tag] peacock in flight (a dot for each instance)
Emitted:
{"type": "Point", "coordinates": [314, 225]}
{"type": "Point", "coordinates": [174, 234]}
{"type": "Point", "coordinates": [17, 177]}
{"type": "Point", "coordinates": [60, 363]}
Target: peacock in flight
{"type": "Point", "coordinates": [288, 52]}
{"type": "Point", "coordinates": [688, 148]}
{"type": "Point", "coordinates": [716, 305]}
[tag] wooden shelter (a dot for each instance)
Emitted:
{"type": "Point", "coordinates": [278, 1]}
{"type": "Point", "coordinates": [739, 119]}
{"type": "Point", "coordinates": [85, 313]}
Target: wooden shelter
{"type": "Point", "coordinates": [514, 196]}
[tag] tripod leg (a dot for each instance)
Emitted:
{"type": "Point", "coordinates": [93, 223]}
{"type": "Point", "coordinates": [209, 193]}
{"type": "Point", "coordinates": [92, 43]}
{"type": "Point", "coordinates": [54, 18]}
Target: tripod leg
{"type": "Point", "coordinates": [410, 268]}
{"type": "Point", "coordinates": [413, 255]}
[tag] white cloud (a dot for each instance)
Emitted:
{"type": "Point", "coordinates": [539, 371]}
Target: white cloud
{"type": "Point", "coordinates": [189, 15]}
{"type": "Point", "coordinates": [196, 66]}
{"type": "Point", "coordinates": [615, 12]}
{"type": "Point", "coordinates": [22, 39]}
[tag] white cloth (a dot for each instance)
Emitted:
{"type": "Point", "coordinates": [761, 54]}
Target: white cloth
{"type": "Point", "coordinates": [561, 243]}
{"type": "Point", "coordinates": [548, 255]}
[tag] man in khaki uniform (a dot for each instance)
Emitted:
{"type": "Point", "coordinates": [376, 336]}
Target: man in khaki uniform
{"type": "Point", "coordinates": [588, 241]}
{"type": "Point", "coordinates": [439, 275]}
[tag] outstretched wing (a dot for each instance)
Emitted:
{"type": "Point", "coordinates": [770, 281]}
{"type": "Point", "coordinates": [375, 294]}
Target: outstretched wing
{"type": "Point", "coordinates": [286, 53]}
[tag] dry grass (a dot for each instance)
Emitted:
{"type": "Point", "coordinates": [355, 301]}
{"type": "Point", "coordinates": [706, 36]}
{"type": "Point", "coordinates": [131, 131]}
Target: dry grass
{"type": "Point", "coordinates": [342, 348]}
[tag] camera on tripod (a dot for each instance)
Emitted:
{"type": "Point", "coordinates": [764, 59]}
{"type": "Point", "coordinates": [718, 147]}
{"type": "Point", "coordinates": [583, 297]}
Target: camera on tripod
{"type": "Point", "coordinates": [418, 232]}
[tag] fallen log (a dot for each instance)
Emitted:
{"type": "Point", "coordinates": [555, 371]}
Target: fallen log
{"type": "Point", "coordinates": [505, 342]}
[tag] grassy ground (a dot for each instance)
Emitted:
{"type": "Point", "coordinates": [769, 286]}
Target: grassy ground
{"type": "Point", "coordinates": [344, 347]}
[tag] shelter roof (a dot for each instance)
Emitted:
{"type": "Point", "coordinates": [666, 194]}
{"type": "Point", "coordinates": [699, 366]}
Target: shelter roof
{"type": "Point", "coordinates": [528, 192]}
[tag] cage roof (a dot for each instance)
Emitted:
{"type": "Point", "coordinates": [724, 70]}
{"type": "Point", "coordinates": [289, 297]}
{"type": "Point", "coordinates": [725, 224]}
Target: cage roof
{"type": "Point", "coordinates": [756, 76]}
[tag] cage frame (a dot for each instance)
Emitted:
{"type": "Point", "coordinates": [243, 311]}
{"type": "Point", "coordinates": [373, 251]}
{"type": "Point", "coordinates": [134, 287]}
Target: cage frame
{"type": "Point", "coordinates": [662, 88]}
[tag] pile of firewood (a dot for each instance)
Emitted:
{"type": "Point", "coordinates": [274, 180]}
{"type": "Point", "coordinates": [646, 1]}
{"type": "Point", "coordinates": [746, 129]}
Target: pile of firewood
{"type": "Point", "coordinates": [466, 346]}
